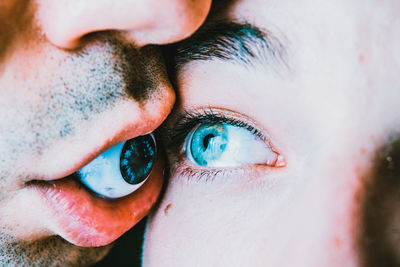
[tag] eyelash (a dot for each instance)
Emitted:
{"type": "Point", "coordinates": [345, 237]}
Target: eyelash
{"type": "Point", "coordinates": [189, 119]}
{"type": "Point", "coordinates": [176, 135]}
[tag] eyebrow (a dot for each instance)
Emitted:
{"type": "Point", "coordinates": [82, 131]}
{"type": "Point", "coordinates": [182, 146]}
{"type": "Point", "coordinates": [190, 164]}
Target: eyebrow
{"type": "Point", "coordinates": [242, 43]}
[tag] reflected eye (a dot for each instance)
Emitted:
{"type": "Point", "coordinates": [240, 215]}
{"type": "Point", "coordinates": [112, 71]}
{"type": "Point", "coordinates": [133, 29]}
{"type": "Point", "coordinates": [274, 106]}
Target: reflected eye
{"type": "Point", "coordinates": [122, 169]}
{"type": "Point", "coordinates": [224, 145]}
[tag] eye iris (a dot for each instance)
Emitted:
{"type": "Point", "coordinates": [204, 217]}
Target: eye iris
{"type": "Point", "coordinates": [137, 159]}
{"type": "Point", "coordinates": [208, 143]}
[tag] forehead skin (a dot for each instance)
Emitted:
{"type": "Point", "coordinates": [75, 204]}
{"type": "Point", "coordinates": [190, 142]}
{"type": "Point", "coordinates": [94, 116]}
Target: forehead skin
{"type": "Point", "coordinates": [329, 111]}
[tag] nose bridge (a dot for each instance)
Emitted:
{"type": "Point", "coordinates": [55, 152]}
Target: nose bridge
{"type": "Point", "coordinates": [329, 216]}
{"type": "Point", "coordinates": [144, 21]}
{"type": "Point", "coordinates": [337, 209]}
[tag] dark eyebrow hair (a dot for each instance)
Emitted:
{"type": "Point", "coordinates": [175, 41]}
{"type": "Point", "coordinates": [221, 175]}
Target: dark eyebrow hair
{"type": "Point", "coordinates": [231, 41]}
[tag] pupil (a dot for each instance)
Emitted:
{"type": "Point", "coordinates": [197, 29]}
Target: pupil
{"type": "Point", "coordinates": [137, 159]}
{"type": "Point", "coordinates": [207, 139]}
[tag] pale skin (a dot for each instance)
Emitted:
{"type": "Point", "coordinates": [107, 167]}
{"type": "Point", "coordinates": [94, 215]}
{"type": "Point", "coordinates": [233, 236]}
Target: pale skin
{"type": "Point", "coordinates": [330, 105]}
{"type": "Point", "coordinates": [76, 78]}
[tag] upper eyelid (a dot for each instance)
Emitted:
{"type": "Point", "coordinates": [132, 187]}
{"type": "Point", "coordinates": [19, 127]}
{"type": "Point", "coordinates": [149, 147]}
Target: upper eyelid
{"type": "Point", "coordinates": [182, 123]}
{"type": "Point", "coordinates": [190, 118]}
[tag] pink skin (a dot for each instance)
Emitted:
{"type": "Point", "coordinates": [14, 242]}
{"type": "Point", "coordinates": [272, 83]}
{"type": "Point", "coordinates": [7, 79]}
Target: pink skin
{"type": "Point", "coordinates": [86, 220]}
{"type": "Point", "coordinates": [142, 22]}
{"type": "Point", "coordinates": [43, 77]}
{"type": "Point", "coordinates": [328, 112]}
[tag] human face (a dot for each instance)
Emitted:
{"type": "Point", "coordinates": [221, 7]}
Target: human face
{"type": "Point", "coordinates": [76, 78]}
{"type": "Point", "coordinates": [284, 146]}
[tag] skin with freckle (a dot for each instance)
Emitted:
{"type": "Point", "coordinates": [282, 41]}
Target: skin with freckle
{"type": "Point", "coordinates": [320, 81]}
{"type": "Point", "coordinates": [71, 86]}
{"type": "Point", "coordinates": [167, 208]}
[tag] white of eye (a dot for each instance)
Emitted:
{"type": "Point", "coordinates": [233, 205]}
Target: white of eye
{"type": "Point", "coordinates": [225, 146]}
{"type": "Point", "coordinates": [103, 174]}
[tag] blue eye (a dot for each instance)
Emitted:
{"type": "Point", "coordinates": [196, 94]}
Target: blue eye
{"type": "Point", "coordinates": [122, 169]}
{"type": "Point", "coordinates": [224, 145]}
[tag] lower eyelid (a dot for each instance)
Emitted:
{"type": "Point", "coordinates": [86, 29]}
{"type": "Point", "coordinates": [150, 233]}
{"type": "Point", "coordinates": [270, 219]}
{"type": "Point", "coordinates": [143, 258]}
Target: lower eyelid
{"type": "Point", "coordinates": [190, 173]}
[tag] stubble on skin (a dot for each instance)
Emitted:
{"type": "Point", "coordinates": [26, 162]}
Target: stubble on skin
{"type": "Point", "coordinates": [83, 85]}
{"type": "Point", "coordinates": [60, 94]}
{"type": "Point", "coordinates": [52, 251]}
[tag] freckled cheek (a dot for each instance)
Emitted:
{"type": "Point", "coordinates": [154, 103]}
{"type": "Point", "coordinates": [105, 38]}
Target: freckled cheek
{"type": "Point", "coordinates": [196, 225]}
{"type": "Point", "coordinates": [172, 222]}
{"type": "Point", "coordinates": [186, 212]}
